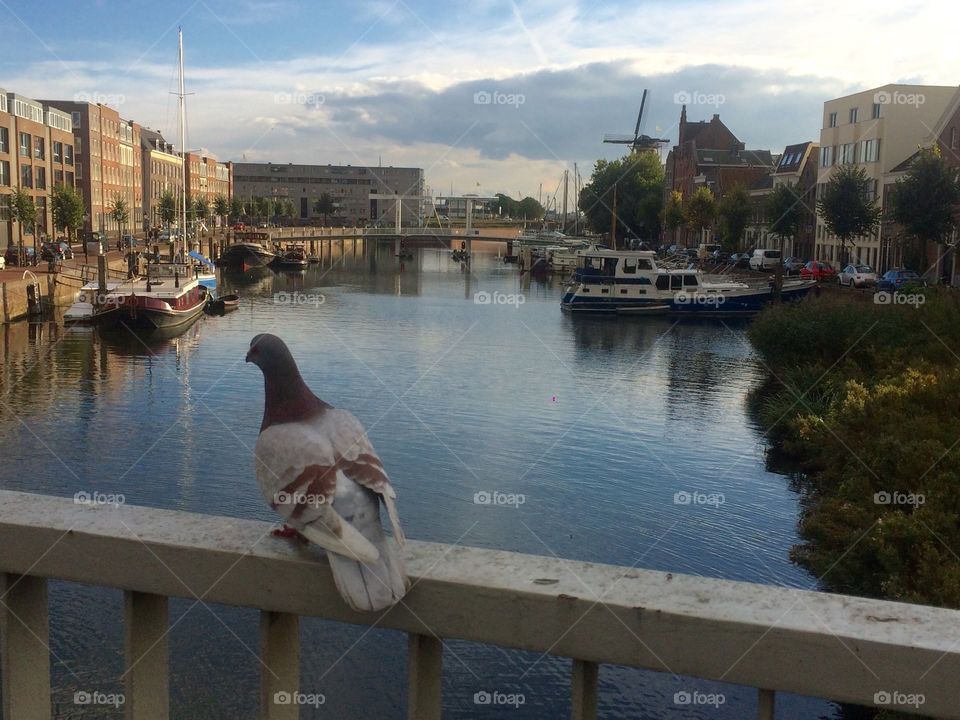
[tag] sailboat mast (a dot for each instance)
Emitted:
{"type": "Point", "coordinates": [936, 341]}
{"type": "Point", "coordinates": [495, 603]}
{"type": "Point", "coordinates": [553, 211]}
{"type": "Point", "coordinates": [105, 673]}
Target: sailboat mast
{"type": "Point", "coordinates": [566, 178]}
{"type": "Point", "coordinates": [183, 143]}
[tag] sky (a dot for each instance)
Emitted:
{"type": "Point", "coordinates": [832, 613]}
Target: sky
{"type": "Point", "coordinates": [486, 96]}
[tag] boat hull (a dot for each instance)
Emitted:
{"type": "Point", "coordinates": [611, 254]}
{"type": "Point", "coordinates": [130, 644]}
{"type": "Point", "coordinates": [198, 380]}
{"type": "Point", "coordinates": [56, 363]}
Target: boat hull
{"type": "Point", "coordinates": [246, 256]}
{"type": "Point", "coordinates": [719, 305]}
{"type": "Point", "coordinates": [141, 312]}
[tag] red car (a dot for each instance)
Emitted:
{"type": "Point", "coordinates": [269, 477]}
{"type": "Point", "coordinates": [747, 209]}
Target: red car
{"type": "Point", "coordinates": [816, 270]}
{"type": "Point", "coordinates": [239, 226]}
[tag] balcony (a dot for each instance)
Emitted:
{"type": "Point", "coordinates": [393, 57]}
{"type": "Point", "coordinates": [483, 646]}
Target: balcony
{"type": "Point", "coordinates": [774, 639]}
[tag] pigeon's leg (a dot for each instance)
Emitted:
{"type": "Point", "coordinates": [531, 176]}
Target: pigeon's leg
{"type": "Point", "coordinates": [288, 532]}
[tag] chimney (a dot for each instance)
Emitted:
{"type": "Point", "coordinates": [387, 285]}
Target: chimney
{"type": "Point", "coordinates": [716, 116]}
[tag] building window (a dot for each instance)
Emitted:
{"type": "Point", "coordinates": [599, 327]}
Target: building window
{"type": "Point", "coordinates": [58, 177]}
{"type": "Point", "coordinates": [75, 117]}
{"type": "Point", "coordinates": [69, 178]}
{"type": "Point", "coordinates": [68, 154]}
{"type": "Point", "coordinates": [38, 149]}
{"type": "Point", "coordinates": [869, 151]}
{"type": "Point", "coordinates": [832, 122]}
{"type": "Point", "coordinates": [4, 140]}
{"type": "Point", "coordinates": [24, 144]}
{"type": "Point", "coordinates": [26, 176]}
{"type": "Point", "coordinates": [41, 178]}
{"type": "Point", "coordinates": [4, 173]}
{"type": "Point", "coordinates": [57, 151]}
{"type": "Point", "coordinates": [853, 115]}
{"type": "Point", "coordinates": [826, 156]}
{"type": "Point", "coordinates": [847, 154]}
{"type": "Point", "coordinates": [876, 111]}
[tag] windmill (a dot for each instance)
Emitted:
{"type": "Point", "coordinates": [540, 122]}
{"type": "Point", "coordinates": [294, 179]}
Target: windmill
{"type": "Point", "coordinates": [637, 142]}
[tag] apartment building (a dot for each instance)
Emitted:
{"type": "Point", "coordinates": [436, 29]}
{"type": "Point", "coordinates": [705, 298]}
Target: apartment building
{"type": "Point", "coordinates": [36, 153]}
{"type": "Point", "coordinates": [108, 161]}
{"type": "Point", "coordinates": [162, 171]}
{"type": "Point", "coordinates": [208, 178]}
{"type": "Point", "coordinates": [877, 129]}
{"type": "Point", "coordinates": [349, 186]}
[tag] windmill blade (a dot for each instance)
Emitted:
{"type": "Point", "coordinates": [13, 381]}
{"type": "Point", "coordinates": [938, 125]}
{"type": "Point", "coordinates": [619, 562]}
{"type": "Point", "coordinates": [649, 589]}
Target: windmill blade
{"type": "Point", "coordinates": [643, 101]}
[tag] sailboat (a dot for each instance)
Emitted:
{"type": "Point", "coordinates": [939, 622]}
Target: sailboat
{"type": "Point", "coordinates": [171, 296]}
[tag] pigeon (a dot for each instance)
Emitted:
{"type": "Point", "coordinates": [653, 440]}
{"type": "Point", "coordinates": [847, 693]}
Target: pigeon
{"type": "Point", "coordinates": [317, 468]}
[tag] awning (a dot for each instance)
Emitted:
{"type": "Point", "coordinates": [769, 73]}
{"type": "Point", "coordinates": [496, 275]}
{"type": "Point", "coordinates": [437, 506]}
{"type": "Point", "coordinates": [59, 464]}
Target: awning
{"type": "Point", "coordinates": [197, 256]}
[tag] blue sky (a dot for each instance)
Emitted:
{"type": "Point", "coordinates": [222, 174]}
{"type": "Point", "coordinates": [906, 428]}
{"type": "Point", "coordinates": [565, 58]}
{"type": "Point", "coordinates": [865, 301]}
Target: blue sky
{"type": "Point", "coordinates": [404, 81]}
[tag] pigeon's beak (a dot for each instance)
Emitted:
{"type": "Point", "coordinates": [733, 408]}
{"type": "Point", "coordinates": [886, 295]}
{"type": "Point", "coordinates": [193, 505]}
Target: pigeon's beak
{"type": "Point", "coordinates": [249, 357]}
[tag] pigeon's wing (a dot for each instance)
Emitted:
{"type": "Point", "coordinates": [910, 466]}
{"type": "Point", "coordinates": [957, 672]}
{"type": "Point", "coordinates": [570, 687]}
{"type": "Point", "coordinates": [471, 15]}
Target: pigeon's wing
{"type": "Point", "coordinates": [359, 462]}
{"type": "Point", "coordinates": [297, 466]}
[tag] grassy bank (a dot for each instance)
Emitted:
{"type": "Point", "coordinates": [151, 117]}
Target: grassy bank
{"type": "Point", "coordinates": [865, 399]}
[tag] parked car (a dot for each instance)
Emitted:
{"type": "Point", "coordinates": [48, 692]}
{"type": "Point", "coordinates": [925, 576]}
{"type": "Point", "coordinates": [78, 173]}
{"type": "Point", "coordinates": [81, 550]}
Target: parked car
{"type": "Point", "coordinates": [720, 256]}
{"type": "Point", "coordinates": [819, 271]}
{"type": "Point", "coordinates": [857, 276]}
{"type": "Point", "coordinates": [897, 279]}
{"type": "Point", "coordinates": [239, 226]}
{"type": "Point", "coordinates": [764, 259]}
{"type": "Point", "coordinates": [793, 265]}
{"type": "Point", "coordinates": [12, 258]}
{"type": "Point", "coordinates": [55, 251]}
{"type": "Point", "coordinates": [739, 260]}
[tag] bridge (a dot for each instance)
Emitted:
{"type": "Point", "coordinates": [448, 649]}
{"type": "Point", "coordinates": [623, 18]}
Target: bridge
{"type": "Point", "coordinates": [775, 639]}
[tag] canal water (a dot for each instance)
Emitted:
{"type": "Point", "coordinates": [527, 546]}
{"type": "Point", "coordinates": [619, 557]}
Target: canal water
{"type": "Point", "coordinates": [585, 435]}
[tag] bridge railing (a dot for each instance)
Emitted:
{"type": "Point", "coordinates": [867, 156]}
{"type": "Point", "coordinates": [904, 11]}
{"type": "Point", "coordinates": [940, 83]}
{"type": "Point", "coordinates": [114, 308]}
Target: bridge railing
{"type": "Point", "coordinates": [856, 650]}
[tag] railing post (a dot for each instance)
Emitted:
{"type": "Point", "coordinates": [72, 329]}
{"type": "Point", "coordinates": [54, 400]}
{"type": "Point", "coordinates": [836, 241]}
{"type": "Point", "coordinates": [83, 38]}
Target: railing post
{"type": "Point", "coordinates": [766, 704]}
{"type": "Point", "coordinates": [425, 662]}
{"type": "Point", "coordinates": [147, 652]}
{"type": "Point", "coordinates": [24, 647]}
{"type": "Point", "coordinates": [280, 657]}
{"type": "Point", "coordinates": [583, 685]}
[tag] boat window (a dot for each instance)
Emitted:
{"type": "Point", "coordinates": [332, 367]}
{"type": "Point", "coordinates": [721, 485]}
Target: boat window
{"type": "Point", "coordinates": [644, 264]}
{"type": "Point", "coordinates": [676, 282]}
{"type": "Point", "coordinates": [630, 266]}
{"type": "Point", "coordinates": [689, 280]}
{"type": "Point", "coordinates": [623, 291]}
{"type": "Point", "coordinates": [604, 291]}
{"type": "Point", "coordinates": [663, 282]}
{"type": "Point", "coordinates": [609, 266]}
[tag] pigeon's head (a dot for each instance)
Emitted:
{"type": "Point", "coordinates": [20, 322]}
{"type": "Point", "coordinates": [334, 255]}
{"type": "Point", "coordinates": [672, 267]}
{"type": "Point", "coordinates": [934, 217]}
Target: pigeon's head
{"type": "Point", "coordinates": [269, 353]}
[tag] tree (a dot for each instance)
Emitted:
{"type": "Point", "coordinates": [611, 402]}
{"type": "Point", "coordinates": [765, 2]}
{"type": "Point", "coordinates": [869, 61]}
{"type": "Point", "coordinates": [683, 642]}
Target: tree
{"type": "Point", "coordinates": [733, 212]}
{"type": "Point", "coordinates": [202, 209]}
{"type": "Point", "coordinates": [785, 208]}
{"type": "Point", "coordinates": [845, 204]}
{"type": "Point", "coordinates": [638, 179]}
{"type": "Point", "coordinates": [673, 213]}
{"type": "Point", "coordinates": [120, 214]}
{"type": "Point", "coordinates": [238, 209]}
{"type": "Point", "coordinates": [221, 208]}
{"type": "Point", "coordinates": [67, 207]}
{"type": "Point", "coordinates": [286, 209]}
{"type": "Point", "coordinates": [926, 202]}
{"type": "Point", "coordinates": [324, 205]}
{"type": "Point", "coordinates": [24, 212]}
{"type": "Point", "coordinates": [530, 209]}
{"type": "Point", "coordinates": [167, 207]}
{"type": "Point", "coordinates": [507, 206]}
{"type": "Point", "coordinates": [700, 210]}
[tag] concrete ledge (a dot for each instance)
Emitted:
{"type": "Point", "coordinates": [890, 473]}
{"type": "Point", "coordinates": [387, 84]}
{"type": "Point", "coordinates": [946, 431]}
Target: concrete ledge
{"type": "Point", "coordinates": [830, 646]}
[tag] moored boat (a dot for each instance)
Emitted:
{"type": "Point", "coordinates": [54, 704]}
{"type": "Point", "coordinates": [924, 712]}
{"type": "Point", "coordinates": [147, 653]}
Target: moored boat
{"type": "Point", "coordinates": [293, 259]}
{"type": "Point", "coordinates": [630, 282]}
{"type": "Point", "coordinates": [169, 297]}
{"type": "Point", "coordinates": [246, 255]}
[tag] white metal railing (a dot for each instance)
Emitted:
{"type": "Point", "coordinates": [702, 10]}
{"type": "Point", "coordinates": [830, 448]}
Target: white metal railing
{"type": "Point", "coordinates": [775, 639]}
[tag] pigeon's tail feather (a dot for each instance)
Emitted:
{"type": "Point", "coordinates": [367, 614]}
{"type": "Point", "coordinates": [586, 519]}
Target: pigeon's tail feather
{"type": "Point", "coordinates": [374, 586]}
